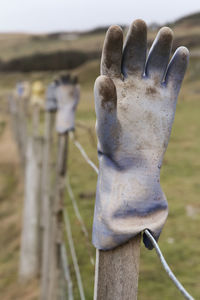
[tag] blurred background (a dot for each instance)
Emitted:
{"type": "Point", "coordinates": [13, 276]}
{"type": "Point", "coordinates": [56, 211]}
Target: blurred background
{"type": "Point", "coordinates": [40, 40]}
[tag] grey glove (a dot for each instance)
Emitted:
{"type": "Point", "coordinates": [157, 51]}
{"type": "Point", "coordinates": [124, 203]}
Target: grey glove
{"type": "Point", "coordinates": [51, 102]}
{"type": "Point", "coordinates": [135, 101]}
{"type": "Point", "coordinates": [67, 95]}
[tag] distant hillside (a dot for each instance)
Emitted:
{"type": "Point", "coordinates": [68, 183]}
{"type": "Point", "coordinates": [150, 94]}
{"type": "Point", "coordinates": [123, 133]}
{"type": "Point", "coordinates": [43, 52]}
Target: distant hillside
{"type": "Point", "coordinates": [193, 19]}
{"type": "Point", "coordinates": [23, 52]}
{"type": "Point", "coordinates": [59, 60]}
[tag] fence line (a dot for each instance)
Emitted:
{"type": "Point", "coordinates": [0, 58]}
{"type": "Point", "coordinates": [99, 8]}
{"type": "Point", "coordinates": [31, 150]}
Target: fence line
{"type": "Point", "coordinates": [73, 254]}
{"type": "Point", "coordinates": [63, 251]}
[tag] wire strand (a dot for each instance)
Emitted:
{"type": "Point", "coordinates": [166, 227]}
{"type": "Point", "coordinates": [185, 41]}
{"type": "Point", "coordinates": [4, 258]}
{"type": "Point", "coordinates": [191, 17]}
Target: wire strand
{"type": "Point", "coordinates": [82, 151]}
{"type": "Point", "coordinates": [167, 268]}
{"type": "Point", "coordinates": [73, 254]}
{"type": "Point", "coordinates": [76, 209]}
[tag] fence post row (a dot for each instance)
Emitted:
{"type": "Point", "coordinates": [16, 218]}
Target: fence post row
{"type": "Point", "coordinates": [67, 100]}
{"type": "Point", "coordinates": [57, 218]}
{"type": "Point", "coordinates": [44, 202]}
{"type": "Point", "coordinates": [47, 185]}
{"type": "Point", "coordinates": [30, 256]}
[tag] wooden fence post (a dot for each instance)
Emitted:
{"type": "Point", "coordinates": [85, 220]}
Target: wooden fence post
{"type": "Point", "coordinates": [117, 272]}
{"type": "Point", "coordinates": [30, 250]}
{"type": "Point", "coordinates": [57, 219]}
{"type": "Point", "coordinates": [30, 257]}
{"type": "Point", "coordinates": [47, 191]}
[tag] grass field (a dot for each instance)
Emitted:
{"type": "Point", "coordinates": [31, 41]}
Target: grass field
{"type": "Point", "coordinates": [180, 180]}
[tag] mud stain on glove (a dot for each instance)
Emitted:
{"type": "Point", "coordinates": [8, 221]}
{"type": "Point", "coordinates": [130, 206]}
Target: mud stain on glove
{"type": "Point", "coordinates": [109, 95]}
{"type": "Point", "coordinates": [151, 90]}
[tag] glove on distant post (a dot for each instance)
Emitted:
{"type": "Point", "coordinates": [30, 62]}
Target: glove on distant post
{"type": "Point", "coordinates": [67, 95]}
{"type": "Point", "coordinates": [135, 103]}
{"type": "Point", "coordinates": [38, 94]}
{"type": "Point", "coordinates": [51, 102]}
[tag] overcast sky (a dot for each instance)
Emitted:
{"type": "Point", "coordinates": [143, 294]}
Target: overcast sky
{"type": "Point", "coordinates": [54, 15]}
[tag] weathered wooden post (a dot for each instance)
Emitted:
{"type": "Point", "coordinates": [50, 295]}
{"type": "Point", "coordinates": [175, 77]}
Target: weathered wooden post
{"type": "Point", "coordinates": [67, 102]}
{"type": "Point", "coordinates": [30, 256]}
{"type": "Point", "coordinates": [47, 187]}
{"type": "Point", "coordinates": [30, 243]}
{"type": "Point", "coordinates": [135, 102]}
{"type": "Point", "coordinates": [117, 272]}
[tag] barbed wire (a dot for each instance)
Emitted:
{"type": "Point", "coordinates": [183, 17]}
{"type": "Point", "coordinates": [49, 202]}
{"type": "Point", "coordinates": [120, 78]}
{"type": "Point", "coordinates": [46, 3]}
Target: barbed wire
{"type": "Point", "coordinates": [157, 249]}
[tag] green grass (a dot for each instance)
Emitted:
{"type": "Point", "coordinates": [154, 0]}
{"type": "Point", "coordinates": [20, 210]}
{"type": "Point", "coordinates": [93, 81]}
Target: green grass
{"type": "Point", "coordinates": [180, 180]}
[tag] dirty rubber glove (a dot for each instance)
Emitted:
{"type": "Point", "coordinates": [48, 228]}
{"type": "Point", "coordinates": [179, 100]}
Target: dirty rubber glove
{"type": "Point", "coordinates": [51, 102]}
{"type": "Point", "coordinates": [135, 102]}
{"type": "Point", "coordinates": [67, 95]}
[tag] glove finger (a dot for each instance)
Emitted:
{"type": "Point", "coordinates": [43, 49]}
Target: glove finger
{"type": "Point", "coordinates": [159, 54]}
{"type": "Point", "coordinates": [112, 52]}
{"type": "Point", "coordinates": [134, 53]}
{"type": "Point", "coordinates": [105, 106]}
{"type": "Point", "coordinates": [176, 70]}
{"type": "Point", "coordinates": [105, 95]}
